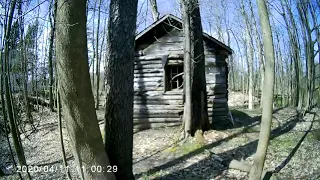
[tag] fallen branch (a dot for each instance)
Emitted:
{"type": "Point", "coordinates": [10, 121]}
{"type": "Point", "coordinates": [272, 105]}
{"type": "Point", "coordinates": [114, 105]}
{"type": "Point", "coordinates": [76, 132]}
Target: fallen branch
{"type": "Point", "coordinates": [239, 165]}
{"type": "Point", "coordinates": [38, 101]}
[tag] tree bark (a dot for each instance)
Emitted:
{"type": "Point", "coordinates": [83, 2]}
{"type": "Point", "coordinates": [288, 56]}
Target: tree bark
{"type": "Point", "coordinates": [155, 12]}
{"type": "Point", "coordinates": [303, 9]}
{"type": "Point", "coordinates": [8, 100]}
{"type": "Point", "coordinates": [75, 89]}
{"type": "Point", "coordinates": [119, 72]}
{"type": "Point", "coordinates": [265, 127]}
{"type": "Point", "coordinates": [294, 49]}
{"type": "Point", "coordinates": [198, 73]}
{"type": "Point", "coordinates": [260, 50]}
{"type": "Point", "coordinates": [250, 70]}
{"type": "Point", "coordinates": [187, 111]}
{"type": "Point", "coordinates": [24, 67]}
{"type": "Point", "coordinates": [194, 61]}
{"type": "Point", "coordinates": [50, 58]}
{"type": "Point", "coordinates": [63, 152]}
{"type": "Point", "coordinates": [249, 42]}
{"type": "Point", "coordinates": [93, 42]}
{"type": "Point", "coordinates": [98, 58]}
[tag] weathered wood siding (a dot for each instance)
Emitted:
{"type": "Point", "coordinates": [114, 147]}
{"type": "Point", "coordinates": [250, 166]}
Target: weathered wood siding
{"type": "Point", "coordinates": [151, 104]}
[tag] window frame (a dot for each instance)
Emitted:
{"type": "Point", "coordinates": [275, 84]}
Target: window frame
{"type": "Point", "coordinates": [169, 72]}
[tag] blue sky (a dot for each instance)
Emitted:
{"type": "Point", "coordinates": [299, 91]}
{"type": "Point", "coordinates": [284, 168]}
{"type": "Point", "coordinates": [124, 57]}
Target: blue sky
{"type": "Point", "coordinates": [209, 10]}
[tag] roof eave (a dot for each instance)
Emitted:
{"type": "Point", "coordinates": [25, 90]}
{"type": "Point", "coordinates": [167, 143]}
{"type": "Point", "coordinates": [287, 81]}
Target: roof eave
{"type": "Point", "coordinates": [139, 35]}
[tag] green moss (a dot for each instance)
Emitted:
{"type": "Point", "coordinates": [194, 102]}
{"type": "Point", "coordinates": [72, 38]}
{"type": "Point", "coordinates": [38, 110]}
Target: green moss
{"type": "Point", "coordinates": [102, 134]}
{"type": "Point", "coordinates": [171, 149]}
{"type": "Point", "coordinates": [157, 174]}
{"type": "Point", "coordinates": [284, 143]}
{"type": "Point", "coordinates": [187, 148]}
{"type": "Point", "coordinates": [184, 148]}
{"type": "Point", "coordinates": [154, 175]}
{"type": "Point", "coordinates": [145, 176]}
{"type": "Point", "coordinates": [254, 129]}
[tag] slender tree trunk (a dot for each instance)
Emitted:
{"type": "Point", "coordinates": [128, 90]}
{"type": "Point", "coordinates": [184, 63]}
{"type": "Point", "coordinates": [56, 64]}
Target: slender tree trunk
{"type": "Point", "coordinates": [282, 85]}
{"type": "Point", "coordinates": [119, 85]}
{"type": "Point", "coordinates": [187, 112]}
{"type": "Point", "coordinates": [93, 42]}
{"type": "Point", "coordinates": [50, 58]}
{"type": "Point", "coordinates": [155, 12]}
{"type": "Point", "coordinates": [250, 71]}
{"type": "Point", "coordinates": [9, 105]}
{"type": "Point", "coordinates": [98, 57]}
{"type": "Point", "coordinates": [75, 90]}
{"type": "Point", "coordinates": [3, 102]}
{"type": "Point", "coordinates": [260, 51]}
{"type": "Point", "coordinates": [250, 54]}
{"type": "Point", "coordinates": [24, 67]}
{"type": "Point", "coordinates": [295, 51]}
{"type": "Point", "coordinates": [303, 9]}
{"type": "Point", "coordinates": [265, 127]}
{"type": "Point", "coordinates": [101, 47]}
{"type": "Point", "coordinates": [63, 152]}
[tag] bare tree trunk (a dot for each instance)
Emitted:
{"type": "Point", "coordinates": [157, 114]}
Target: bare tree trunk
{"type": "Point", "coordinates": [105, 29]}
{"type": "Point", "coordinates": [250, 71]}
{"type": "Point", "coordinates": [8, 99]}
{"type": "Point", "coordinates": [98, 58]}
{"type": "Point", "coordinates": [265, 127]}
{"type": "Point", "coordinates": [93, 42]}
{"type": "Point", "coordinates": [303, 9]}
{"type": "Point", "coordinates": [239, 69]}
{"type": "Point", "coordinates": [194, 64]}
{"type": "Point", "coordinates": [198, 77]}
{"type": "Point", "coordinates": [187, 112]}
{"type": "Point", "coordinates": [3, 102]}
{"type": "Point", "coordinates": [119, 85]}
{"type": "Point", "coordinates": [250, 55]}
{"type": "Point", "coordinates": [155, 12]}
{"type": "Point", "coordinates": [50, 58]}
{"type": "Point", "coordinates": [231, 64]}
{"type": "Point", "coordinates": [75, 90]}
{"type": "Point", "coordinates": [281, 72]}
{"type": "Point", "coordinates": [24, 67]}
{"type": "Point", "coordinates": [260, 51]}
{"type": "Point", "coordinates": [63, 152]}
{"type": "Point", "coordinates": [294, 49]}
{"type": "Point", "coordinates": [317, 53]}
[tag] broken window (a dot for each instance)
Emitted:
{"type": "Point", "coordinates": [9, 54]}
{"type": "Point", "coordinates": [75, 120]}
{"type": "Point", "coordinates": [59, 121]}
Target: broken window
{"type": "Point", "coordinates": [173, 77]}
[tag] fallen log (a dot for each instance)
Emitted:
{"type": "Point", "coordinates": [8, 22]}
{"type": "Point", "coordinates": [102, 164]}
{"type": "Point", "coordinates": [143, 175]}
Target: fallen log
{"type": "Point", "coordinates": [156, 120]}
{"type": "Point", "coordinates": [157, 107]}
{"type": "Point", "coordinates": [141, 126]}
{"type": "Point", "coordinates": [38, 101]}
{"type": "Point", "coordinates": [163, 115]}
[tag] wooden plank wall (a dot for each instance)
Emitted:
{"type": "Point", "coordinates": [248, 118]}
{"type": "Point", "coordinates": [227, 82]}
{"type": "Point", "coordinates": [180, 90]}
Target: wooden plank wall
{"type": "Point", "coordinates": [152, 106]}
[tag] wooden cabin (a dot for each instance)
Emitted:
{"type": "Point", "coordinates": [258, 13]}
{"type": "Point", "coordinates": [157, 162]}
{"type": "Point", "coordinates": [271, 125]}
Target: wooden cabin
{"type": "Point", "coordinates": [157, 84]}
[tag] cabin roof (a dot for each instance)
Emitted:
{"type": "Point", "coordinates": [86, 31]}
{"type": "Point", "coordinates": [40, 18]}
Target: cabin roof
{"type": "Point", "coordinates": [171, 21]}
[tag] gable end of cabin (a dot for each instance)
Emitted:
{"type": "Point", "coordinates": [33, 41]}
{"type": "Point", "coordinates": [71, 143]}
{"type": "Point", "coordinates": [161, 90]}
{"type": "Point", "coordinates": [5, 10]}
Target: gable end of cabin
{"type": "Point", "coordinates": [158, 79]}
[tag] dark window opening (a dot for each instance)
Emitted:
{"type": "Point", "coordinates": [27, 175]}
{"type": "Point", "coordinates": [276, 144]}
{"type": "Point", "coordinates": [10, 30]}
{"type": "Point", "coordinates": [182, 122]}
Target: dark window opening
{"type": "Point", "coordinates": [173, 77]}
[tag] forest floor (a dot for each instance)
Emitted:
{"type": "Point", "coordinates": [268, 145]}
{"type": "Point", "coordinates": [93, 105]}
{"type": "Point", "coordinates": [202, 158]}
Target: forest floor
{"type": "Point", "coordinates": [157, 155]}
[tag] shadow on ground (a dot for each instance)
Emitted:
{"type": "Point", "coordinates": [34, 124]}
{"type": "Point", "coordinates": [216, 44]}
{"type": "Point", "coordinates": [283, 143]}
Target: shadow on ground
{"type": "Point", "coordinates": [242, 119]}
{"type": "Point", "coordinates": [199, 170]}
